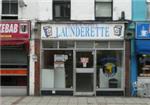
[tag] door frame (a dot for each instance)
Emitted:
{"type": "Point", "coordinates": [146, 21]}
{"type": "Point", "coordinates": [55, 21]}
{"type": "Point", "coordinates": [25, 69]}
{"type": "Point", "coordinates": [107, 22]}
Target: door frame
{"type": "Point", "coordinates": [94, 73]}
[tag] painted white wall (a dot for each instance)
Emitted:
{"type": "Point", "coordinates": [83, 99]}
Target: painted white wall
{"type": "Point", "coordinates": [82, 9]}
{"type": "Point", "coordinates": [31, 11]}
{"type": "Point", "coordinates": [31, 69]}
{"type": "Point", "coordinates": [122, 5]}
{"type": "Point", "coordinates": [32, 61]}
{"type": "Point", "coordinates": [36, 9]}
{"type": "Point", "coordinates": [45, 11]}
{"type": "Point", "coordinates": [0, 8]}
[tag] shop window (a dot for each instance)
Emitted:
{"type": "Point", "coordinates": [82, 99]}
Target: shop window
{"type": "Point", "coordinates": [9, 9]}
{"type": "Point", "coordinates": [109, 69]}
{"type": "Point", "coordinates": [143, 65]}
{"type": "Point", "coordinates": [103, 9]}
{"type": "Point", "coordinates": [148, 9]}
{"type": "Point", "coordinates": [61, 9]}
{"type": "Point", "coordinates": [57, 69]}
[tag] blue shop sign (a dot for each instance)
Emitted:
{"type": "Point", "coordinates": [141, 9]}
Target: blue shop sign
{"type": "Point", "coordinates": [143, 31]}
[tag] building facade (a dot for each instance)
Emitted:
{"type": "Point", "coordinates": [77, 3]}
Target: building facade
{"type": "Point", "coordinates": [140, 45]}
{"type": "Point", "coordinates": [73, 42]}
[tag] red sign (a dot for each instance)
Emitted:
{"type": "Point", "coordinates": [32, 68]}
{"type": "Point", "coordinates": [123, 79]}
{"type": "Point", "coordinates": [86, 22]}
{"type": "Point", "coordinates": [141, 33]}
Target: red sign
{"type": "Point", "coordinates": [18, 31]}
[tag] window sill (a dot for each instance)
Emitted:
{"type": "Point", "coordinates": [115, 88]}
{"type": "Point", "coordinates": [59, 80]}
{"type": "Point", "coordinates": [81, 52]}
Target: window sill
{"type": "Point", "coordinates": [144, 75]}
{"type": "Point", "coordinates": [103, 18]}
{"type": "Point", "coordinates": [11, 15]}
{"type": "Point", "coordinates": [61, 19]}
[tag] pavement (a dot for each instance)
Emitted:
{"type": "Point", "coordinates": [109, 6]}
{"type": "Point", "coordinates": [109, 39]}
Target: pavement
{"type": "Point", "coordinates": [72, 100]}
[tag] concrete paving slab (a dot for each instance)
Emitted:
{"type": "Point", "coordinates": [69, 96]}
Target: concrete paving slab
{"type": "Point", "coordinates": [65, 100]}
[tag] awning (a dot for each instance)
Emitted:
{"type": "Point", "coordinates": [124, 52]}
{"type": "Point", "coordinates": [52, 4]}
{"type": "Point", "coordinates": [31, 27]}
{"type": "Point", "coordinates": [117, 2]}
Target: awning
{"type": "Point", "coordinates": [142, 46]}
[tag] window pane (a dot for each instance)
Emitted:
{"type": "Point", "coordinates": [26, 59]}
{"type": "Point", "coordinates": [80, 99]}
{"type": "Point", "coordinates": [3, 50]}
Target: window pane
{"type": "Point", "coordinates": [103, 44]}
{"type": "Point", "coordinates": [66, 44]}
{"type": "Point", "coordinates": [109, 68]}
{"type": "Point", "coordinates": [57, 11]}
{"type": "Point", "coordinates": [67, 10]}
{"type": "Point", "coordinates": [117, 44]}
{"type": "Point", "coordinates": [5, 8]}
{"type": "Point", "coordinates": [143, 64]}
{"type": "Point", "coordinates": [103, 9]}
{"type": "Point", "coordinates": [14, 8]}
{"type": "Point", "coordinates": [58, 65]}
{"type": "Point", "coordinates": [148, 10]}
{"type": "Point", "coordinates": [61, 9]}
{"type": "Point", "coordinates": [84, 44]}
{"type": "Point", "coordinates": [49, 44]}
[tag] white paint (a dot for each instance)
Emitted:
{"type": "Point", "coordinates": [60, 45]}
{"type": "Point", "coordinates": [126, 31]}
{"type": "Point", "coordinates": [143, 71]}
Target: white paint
{"type": "Point", "coordinates": [0, 8]}
{"type": "Point", "coordinates": [122, 5]}
{"type": "Point", "coordinates": [82, 9]}
{"type": "Point", "coordinates": [47, 79]}
{"type": "Point", "coordinates": [36, 9]}
{"type": "Point", "coordinates": [31, 11]}
{"type": "Point", "coordinates": [32, 62]}
{"type": "Point", "coordinates": [45, 11]}
{"type": "Point", "coordinates": [31, 69]}
{"type": "Point", "coordinates": [148, 0]}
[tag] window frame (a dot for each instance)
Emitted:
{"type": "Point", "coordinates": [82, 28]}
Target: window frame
{"type": "Point", "coordinates": [148, 11]}
{"type": "Point", "coordinates": [65, 3]}
{"type": "Point", "coordinates": [9, 15]}
{"type": "Point", "coordinates": [104, 18]}
{"type": "Point", "coordinates": [10, 7]}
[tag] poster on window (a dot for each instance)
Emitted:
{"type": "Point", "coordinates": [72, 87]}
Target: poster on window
{"type": "Point", "coordinates": [84, 61]}
{"type": "Point", "coordinates": [109, 69]}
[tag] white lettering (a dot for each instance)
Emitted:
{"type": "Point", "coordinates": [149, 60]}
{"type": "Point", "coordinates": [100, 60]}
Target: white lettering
{"type": "Point", "coordinates": [8, 28]}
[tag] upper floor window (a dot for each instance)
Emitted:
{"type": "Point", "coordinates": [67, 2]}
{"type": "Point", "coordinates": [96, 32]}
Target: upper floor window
{"type": "Point", "coordinates": [9, 6]}
{"type": "Point", "coordinates": [148, 9]}
{"type": "Point", "coordinates": [103, 9]}
{"type": "Point", "coordinates": [9, 9]}
{"type": "Point", "coordinates": [61, 9]}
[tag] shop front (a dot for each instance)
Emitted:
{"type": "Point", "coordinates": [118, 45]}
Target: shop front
{"type": "Point", "coordinates": [142, 57]}
{"type": "Point", "coordinates": [14, 36]}
{"type": "Point", "coordinates": [82, 59]}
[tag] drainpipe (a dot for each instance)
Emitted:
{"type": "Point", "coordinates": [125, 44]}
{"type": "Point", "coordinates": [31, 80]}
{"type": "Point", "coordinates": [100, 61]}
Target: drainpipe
{"type": "Point", "coordinates": [133, 62]}
{"type": "Point", "coordinates": [133, 65]}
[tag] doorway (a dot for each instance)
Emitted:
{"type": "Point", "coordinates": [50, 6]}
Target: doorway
{"type": "Point", "coordinates": [84, 73]}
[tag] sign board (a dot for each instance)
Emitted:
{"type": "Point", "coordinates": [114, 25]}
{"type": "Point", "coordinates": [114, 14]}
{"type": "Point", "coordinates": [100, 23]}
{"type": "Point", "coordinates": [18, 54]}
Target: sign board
{"type": "Point", "coordinates": [14, 30]}
{"type": "Point", "coordinates": [143, 31]}
{"type": "Point", "coordinates": [82, 31]}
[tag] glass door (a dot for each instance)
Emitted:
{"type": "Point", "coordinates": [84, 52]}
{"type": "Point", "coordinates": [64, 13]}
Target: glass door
{"type": "Point", "coordinates": [84, 73]}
